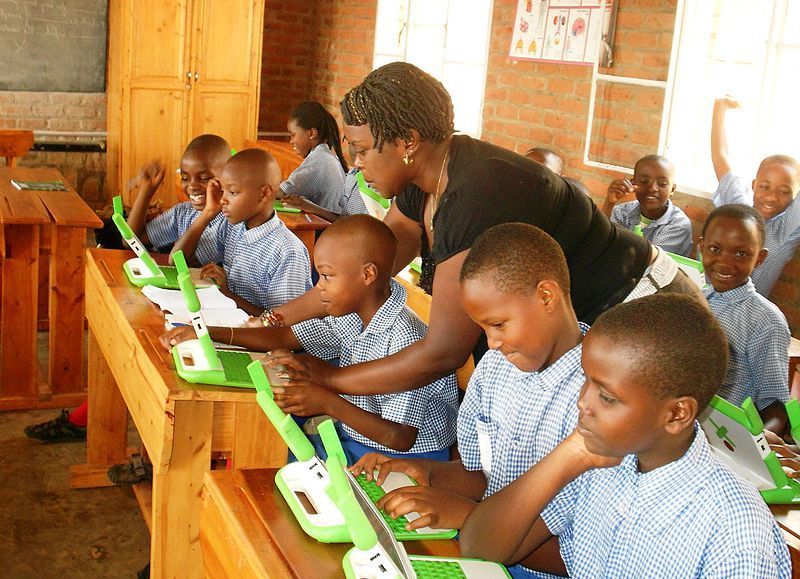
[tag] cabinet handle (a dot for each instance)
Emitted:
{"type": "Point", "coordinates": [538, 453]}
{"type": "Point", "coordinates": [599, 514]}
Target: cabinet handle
{"type": "Point", "coordinates": [188, 86]}
{"type": "Point", "coordinates": [196, 76]}
{"type": "Point", "coordinates": [189, 74]}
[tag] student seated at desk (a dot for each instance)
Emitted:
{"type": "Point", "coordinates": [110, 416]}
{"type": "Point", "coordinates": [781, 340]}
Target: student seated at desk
{"type": "Point", "coordinates": [635, 491]}
{"type": "Point", "coordinates": [772, 193]}
{"type": "Point", "coordinates": [202, 160]}
{"type": "Point", "coordinates": [548, 158]}
{"type": "Point", "coordinates": [661, 222]}
{"type": "Point", "coordinates": [367, 320]}
{"type": "Point", "coordinates": [317, 183]}
{"type": "Point", "coordinates": [732, 245]}
{"type": "Point", "coordinates": [522, 396]}
{"type": "Point", "coordinates": [264, 264]}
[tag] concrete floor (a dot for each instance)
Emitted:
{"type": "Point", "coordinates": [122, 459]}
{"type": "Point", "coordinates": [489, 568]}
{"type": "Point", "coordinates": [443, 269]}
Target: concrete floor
{"type": "Point", "coordinates": [47, 529]}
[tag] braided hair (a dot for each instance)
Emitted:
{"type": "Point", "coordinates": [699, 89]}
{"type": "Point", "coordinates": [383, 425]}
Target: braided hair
{"type": "Point", "coordinates": [312, 115]}
{"type": "Point", "coordinates": [396, 98]}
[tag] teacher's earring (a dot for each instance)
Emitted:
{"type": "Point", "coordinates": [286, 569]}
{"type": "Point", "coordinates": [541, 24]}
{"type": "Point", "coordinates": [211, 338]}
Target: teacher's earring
{"type": "Point", "coordinates": [407, 159]}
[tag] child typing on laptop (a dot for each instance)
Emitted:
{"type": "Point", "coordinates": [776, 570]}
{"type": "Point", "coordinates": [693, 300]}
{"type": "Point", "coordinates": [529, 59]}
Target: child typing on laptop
{"type": "Point", "coordinates": [264, 264]}
{"type": "Point", "coordinates": [521, 399]}
{"type": "Point", "coordinates": [635, 491]}
{"type": "Point", "coordinates": [367, 320]}
{"type": "Point", "coordinates": [732, 245]}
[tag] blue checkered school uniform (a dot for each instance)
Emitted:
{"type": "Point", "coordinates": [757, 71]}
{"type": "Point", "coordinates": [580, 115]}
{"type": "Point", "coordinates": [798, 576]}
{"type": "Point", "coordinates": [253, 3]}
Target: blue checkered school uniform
{"type": "Point", "coordinates": [319, 177]}
{"type": "Point", "coordinates": [168, 227]}
{"type": "Point", "coordinates": [509, 419]}
{"type": "Point", "coordinates": [430, 409]}
{"type": "Point", "coordinates": [351, 202]}
{"type": "Point", "coordinates": [267, 265]}
{"type": "Point", "coordinates": [758, 342]}
{"type": "Point", "coordinates": [690, 518]}
{"type": "Point", "coordinates": [782, 231]}
{"type": "Point", "coordinates": [672, 231]}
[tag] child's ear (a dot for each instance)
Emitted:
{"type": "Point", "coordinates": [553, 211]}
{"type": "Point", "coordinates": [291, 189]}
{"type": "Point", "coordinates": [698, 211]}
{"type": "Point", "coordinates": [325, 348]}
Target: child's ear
{"type": "Point", "coordinates": [313, 133]}
{"type": "Point", "coordinates": [681, 414]}
{"type": "Point", "coordinates": [671, 191]}
{"type": "Point", "coordinates": [548, 293]}
{"type": "Point", "coordinates": [370, 273]}
{"type": "Point", "coordinates": [762, 255]}
{"type": "Point", "coordinates": [267, 192]}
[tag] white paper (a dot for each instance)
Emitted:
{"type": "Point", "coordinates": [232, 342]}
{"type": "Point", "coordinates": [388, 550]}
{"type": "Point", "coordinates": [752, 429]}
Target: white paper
{"type": "Point", "coordinates": [226, 318]}
{"type": "Point", "coordinates": [172, 300]}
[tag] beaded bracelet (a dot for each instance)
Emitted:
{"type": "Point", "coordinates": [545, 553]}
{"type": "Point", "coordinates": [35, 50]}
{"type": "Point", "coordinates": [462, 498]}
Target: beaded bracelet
{"type": "Point", "coordinates": [270, 319]}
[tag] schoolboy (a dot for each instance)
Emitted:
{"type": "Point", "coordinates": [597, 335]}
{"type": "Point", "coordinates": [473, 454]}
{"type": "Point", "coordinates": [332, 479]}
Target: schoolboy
{"type": "Point", "coordinates": [367, 320]}
{"type": "Point", "coordinates": [264, 264]}
{"type": "Point", "coordinates": [202, 160]}
{"type": "Point", "coordinates": [643, 495]}
{"type": "Point", "coordinates": [772, 193]}
{"type": "Point", "coordinates": [521, 398]}
{"type": "Point", "coordinates": [732, 245]}
{"type": "Point", "coordinates": [661, 222]}
{"type": "Point", "coordinates": [548, 158]}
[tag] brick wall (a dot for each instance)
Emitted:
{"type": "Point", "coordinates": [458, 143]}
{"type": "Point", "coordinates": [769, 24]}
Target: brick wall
{"type": "Point", "coordinates": [61, 111]}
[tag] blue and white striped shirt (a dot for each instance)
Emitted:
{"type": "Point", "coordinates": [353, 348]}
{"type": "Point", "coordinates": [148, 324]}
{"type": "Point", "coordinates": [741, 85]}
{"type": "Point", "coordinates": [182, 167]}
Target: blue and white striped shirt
{"type": "Point", "coordinates": [319, 177]}
{"type": "Point", "coordinates": [351, 202]}
{"type": "Point", "coordinates": [758, 342]}
{"type": "Point", "coordinates": [510, 419]}
{"type": "Point", "coordinates": [168, 227]}
{"type": "Point", "coordinates": [430, 409]}
{"type": "Point", "coordinates": [783, 231]}
{"type": "Point", "coordinates": [690, 518]}
{"type": "Point", "coordinates": [672, 231]}
{"type": "Point", "coordinates": [267, 265]}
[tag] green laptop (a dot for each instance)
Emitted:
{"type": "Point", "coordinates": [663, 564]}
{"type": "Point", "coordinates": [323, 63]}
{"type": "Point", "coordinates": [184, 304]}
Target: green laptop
{"type": "Point", "coordinates": [376, 553]}
{"type": "Point", "coordinates": [279, 206]}
{"type": "Point", "coordinates": [198, 361]}
{"type": "Point", "coordinates": [142, 270]}
{"type": "Point", "coordinates": [737, 438]}
{"type": "Point", "coordinates": [693, 268]}
{"type": "Point", "coordinates": [303, 484]}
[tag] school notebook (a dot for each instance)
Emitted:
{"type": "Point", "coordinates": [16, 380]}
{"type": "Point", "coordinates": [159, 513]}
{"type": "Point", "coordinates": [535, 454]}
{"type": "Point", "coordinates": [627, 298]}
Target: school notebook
{"type": "Point", "coordinates": [142, 270]}
{"type": "Point", "coordinates": [737, 438]}
{"type": "Point", "coordinates": [304, 484]}
{"type": "Point", "coordinates": [377, 554]}
{"type": "Point", "coordinates": [198, 361]}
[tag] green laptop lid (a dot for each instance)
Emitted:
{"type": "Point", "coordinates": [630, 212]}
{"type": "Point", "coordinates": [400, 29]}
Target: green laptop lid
{"type": "Point", "coordinates": [133, 242]}
{"type": "Point", "coordinates": [193, 305]}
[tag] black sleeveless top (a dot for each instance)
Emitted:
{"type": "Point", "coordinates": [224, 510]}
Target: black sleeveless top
{"type": "Point", "coordinates": [488, 185]}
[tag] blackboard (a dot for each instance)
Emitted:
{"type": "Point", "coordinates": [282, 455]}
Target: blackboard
{"type": "Point", "coordinates": [53, 45]}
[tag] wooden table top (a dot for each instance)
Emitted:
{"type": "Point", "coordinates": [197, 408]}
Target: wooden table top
{"type": "Point", "coordinates": [267, 533]}
{"type": "Point", "coordinates": [300, 221]}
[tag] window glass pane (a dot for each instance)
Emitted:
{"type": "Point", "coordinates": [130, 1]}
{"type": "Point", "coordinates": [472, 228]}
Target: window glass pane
{"type": "Point", "coordinates": [391, 27]}
{"type": "Point", "coordinates": [465, 84]}
{"type": "Point", "coordinates": [782, 120]}
{"type": "Point", "coordinates": [468, 30]}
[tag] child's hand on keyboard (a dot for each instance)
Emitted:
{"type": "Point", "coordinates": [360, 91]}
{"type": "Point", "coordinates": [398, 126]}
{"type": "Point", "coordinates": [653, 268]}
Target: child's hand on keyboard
{"type": "Point", "coordinates": [437, 508]}
{"type": "Point", "coordinates": [372, 461]}
{"type": "Point", "coordinates": [302, 367]}
{"type": "Point", "coordinates": [176, 336]}
{"type": "Point", "coordinates": [303, 398]}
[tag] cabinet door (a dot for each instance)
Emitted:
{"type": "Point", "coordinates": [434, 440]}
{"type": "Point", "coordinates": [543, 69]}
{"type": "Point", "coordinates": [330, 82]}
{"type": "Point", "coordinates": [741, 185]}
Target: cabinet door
{"type": "Point", "coordinates": [226, 45]}
{"type": "Point", "coordinates": [156, 88]}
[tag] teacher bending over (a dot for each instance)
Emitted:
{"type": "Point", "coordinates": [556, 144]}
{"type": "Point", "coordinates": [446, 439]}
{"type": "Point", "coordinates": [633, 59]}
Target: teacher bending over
{"type": "Point", "coordinates": [449, 189]}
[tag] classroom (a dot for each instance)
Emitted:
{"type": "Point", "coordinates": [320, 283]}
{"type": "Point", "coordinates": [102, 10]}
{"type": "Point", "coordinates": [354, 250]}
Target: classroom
{"type": "Point", "coordinates": [399, 288]}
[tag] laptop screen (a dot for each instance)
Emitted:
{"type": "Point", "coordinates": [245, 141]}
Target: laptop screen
{"type": "Point", "coordinates": [385, 536]}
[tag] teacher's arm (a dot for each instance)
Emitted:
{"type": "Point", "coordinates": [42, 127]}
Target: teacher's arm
{"type": "Point", "coordinates": [408, 235]}
{"type": "Point", "coordinates": [449, 342]}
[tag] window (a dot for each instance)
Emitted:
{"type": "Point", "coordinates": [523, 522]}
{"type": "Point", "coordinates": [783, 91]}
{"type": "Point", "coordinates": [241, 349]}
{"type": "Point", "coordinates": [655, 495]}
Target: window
{"type": "Point", "coordinates": [449, 39]}
{"type": "Point", "coordinates": [747, 48]}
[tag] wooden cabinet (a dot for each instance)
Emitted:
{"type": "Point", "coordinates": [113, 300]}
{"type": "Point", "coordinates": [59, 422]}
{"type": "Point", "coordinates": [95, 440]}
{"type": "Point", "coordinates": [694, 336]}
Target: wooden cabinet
{"type": "Point", "coordinates": [178, 69]}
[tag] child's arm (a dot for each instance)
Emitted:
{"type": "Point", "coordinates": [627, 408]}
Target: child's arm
{"type": "Point", "coordinates": [309, 207]}
{"type": "Point", "coordinates": [617, 189]}
{"type": "Point", "coordinates": [774, 416]}
{"type": "Point", "coordinates": [253, 339]}
{"type": "Point", "coordinates": [307, 399]}
{"type": "Point", "coordinates": [719, 137]}
{"type": "Point", "coordinates": [188, 241]}
{"type": "Point", "coordinates": [491, 533]}
{"type": "Point", "coordinates": [214, 272]}
{"type": "Point", "coordinates": [150, 178]}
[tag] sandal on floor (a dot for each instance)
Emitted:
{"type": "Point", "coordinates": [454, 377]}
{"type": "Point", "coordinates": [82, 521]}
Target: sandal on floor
{"type": "Point", "coordinates": [59, 429]}
{"type": "Point", "coordinates": [132, 472]}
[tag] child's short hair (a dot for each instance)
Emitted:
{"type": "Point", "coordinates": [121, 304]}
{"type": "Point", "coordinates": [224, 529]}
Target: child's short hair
{"type": "Point", "coordinates": [517, 256]}
{"type": "Point", "coordinates": [653, 158]}
{"type": "Point", "coordinates": [674, 342]}
{"type": "Point", "coordinates": [741, 212]}
{"type": "Point", "coordinates": [786, 160]}
{"type": "Point", "coordinates": [372, 238]}
{"type": "Point", "coordinates": [212, 145]}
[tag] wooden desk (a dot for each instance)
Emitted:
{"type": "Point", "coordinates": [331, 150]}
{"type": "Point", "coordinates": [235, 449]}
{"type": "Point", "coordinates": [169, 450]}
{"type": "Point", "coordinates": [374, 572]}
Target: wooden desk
{"type": "Point", "coordinates": [788, 519]}
{"type": "Point", "coordinates": [305, 226]}
{"type": "Point", "coordinates": [283, 152]}
{"type": "Point", "coordinates": [247, 530]}
{"type": "Point", "coordinates": [28, 217]}
{"type": "Point", "coordinates": [179, 423]}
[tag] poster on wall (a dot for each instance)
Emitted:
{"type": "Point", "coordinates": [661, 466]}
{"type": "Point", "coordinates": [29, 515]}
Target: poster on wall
{"type": "Point", "coordinates": [566, 31]}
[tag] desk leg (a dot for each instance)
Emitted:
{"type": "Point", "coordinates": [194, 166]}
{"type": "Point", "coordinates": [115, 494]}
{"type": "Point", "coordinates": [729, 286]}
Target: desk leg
{"type": "Point", "coordinates": [107, 429]}
{"type": "Point", "coordinates": [66, 310]}
{"type": "Point", "coordinates": [20, 272]}
{"type": "Point", "coordinates": [177, 501]}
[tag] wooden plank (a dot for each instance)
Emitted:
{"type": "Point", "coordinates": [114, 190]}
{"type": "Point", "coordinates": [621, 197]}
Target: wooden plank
{"type": "Point", "coordinates": [144, 496]}
{"type": "Point", "coordinates": [255, 444]}
{"type": "Point", "coordinates": [20, 207]}
{"type": "Point", "coordinates": [175, 541]}
{"type": "Point", "coordinates": [283, 152]}
{"type": "Point", "coordinates": [20, 272]}
{"type": "Point", "coordinates": [67, 209]}
{"type": "Point", "coordinates": [66, 310]}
